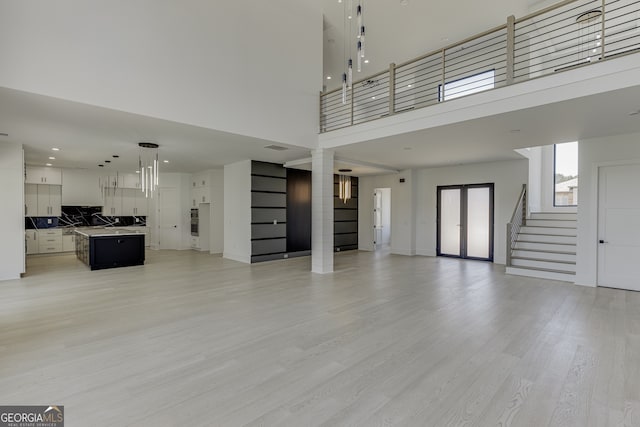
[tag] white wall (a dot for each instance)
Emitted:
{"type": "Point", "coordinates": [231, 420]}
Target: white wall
{"type": "Point", "coordinates": [12, 250]}
{"type": "Point", "coordinates": [592, 153]}
{"type": "Point", "coordinates": [216, 227]}
{"type": "Point", "coordinates": [80, 187]}
{"type": "Point", "coordinates": [402, 211]}
{"type": "Point", "coordinates": [508, 177]}
{"type": "Point", "coordinates": [248, 68]}
{"type": "Point", "coordinates": [237, 211]}
{"type": "Point", "coordinates": [414, 207]}
{"type": "Point", "coordinates": [534, 185]}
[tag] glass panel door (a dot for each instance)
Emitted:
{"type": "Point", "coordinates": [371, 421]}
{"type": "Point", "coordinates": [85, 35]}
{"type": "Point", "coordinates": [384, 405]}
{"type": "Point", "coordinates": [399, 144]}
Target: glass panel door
{"type": "Point", "coordinates": [465, 221]}
{"type": "Point", "coordinates": [478, 222]}
{"type": "Point", "coordinates": [450, 222]}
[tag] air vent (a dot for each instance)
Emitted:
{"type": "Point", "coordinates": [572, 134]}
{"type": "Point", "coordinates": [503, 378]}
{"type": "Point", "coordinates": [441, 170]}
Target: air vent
{"type": "Point", "coordinates": [276, 147]}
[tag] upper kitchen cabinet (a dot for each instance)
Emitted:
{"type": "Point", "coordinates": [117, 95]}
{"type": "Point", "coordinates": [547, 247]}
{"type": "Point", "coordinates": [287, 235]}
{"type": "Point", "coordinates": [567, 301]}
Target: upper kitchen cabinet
{"type": "Point", "coordinates": [42, 200]}
{"type": "Point", "coordinates": [43, 175]}
{"type": "Point", "coordinates": [200, 179]}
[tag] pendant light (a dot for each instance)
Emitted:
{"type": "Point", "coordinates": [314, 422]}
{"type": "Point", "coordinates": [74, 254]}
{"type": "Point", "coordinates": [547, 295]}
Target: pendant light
{"type": "Point", "coordinates": [148, 166]}
{"type": "Point", "coordinates": [344, 186]}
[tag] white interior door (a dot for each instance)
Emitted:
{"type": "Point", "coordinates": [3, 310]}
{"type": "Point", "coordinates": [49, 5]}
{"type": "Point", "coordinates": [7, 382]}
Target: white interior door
{"type": "Point", "coordinates": [377, 218]}
{"type": "Point", "coordinates": [450, 224]}
{"type": "Point", "coordinates": [619, 227]}
{"type": "Point", "coordinates": [169, 219]}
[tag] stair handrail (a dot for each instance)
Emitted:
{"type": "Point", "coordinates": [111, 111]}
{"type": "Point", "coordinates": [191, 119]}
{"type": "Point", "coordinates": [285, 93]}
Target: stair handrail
{"type": "Point", "coordinates": [518, 219]}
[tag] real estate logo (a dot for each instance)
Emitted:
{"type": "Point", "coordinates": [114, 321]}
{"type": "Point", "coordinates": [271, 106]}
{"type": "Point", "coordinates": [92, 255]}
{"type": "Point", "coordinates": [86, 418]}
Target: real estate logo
{"type": "Point", "coordinates": [32, 416]}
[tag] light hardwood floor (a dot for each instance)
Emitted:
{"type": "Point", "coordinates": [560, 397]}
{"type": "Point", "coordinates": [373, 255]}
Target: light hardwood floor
{"type": "Point", "coordinates": [190, 339]}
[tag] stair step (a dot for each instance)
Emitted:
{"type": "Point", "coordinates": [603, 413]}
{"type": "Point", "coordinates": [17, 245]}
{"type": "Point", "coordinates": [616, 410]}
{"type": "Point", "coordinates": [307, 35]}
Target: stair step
{"type": "Point", "coordinates": [542, 273]}
{"type": "Point", "coordinates": [572, 223]}
{"type": "Point", "coordinates": [554, 215]}
{"type": "Point", "coordinates": [547, 238]}
{"type": "Point", "coordinates": [545, 246]}
{"type": "Point", "coordinates": [544, 255]}
{"type": "Point", "coordinates": [562, 266]}
{"type": "Point", "coordinates": [553, 231]}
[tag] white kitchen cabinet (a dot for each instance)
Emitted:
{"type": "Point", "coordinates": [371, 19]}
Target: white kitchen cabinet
{"type": "Point", "coordinates": [43, 175]}
{"type": "Point", "coordinates": [30, 200]}
{"type": "Point", "coordinates": [128, 202]}
{"type": "Point", "coordinates": [42, 200]}
{"type": "Point", "coordinates": [31, 238]}
{"type": "Point", "coordinates": [200, 195]}
{"type": "Point", "coordinates": [112, 203]}
{"type": "Point", "coordinates": [131, 180]}
{"type": "Point", "coordinates": [142, 204]}
{"type": "Point", "coordinates": [49, 241]}
{"type": "Point", "coordinates": [68, 242]}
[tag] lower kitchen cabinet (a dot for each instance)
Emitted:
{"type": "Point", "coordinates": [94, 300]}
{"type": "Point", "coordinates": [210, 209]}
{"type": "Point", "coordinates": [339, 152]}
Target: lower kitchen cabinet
{"type": "Point", "coordinates": [68, 243]}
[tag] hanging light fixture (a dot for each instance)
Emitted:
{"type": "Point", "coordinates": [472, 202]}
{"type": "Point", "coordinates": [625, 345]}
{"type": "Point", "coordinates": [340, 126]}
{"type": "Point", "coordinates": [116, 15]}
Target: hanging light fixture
{"type": "Point", "coordinates": [344, 186]}
{"type": "Point", "coordinates": [148, 167]}
{"type": "Point", "coordinates": [590, 34]}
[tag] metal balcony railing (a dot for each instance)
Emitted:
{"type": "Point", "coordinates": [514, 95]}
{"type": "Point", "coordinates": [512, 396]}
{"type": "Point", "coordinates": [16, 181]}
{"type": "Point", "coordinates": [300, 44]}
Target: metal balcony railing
{"type": "Point", "coordinates": [570, 34]}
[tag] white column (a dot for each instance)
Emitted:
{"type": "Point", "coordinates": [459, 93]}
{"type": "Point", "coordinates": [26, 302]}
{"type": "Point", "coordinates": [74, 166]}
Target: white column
{"type": "Point", "coordinates": [322, 211]}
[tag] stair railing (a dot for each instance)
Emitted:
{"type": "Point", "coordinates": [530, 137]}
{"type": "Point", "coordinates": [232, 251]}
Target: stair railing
{"type": "Point", "coordinates": [518, 219]}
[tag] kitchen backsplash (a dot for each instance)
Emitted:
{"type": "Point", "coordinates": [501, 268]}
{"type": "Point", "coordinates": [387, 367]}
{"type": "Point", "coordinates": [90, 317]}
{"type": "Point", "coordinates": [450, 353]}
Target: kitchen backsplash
{"type": "Point", "coordinates": [83, 216]}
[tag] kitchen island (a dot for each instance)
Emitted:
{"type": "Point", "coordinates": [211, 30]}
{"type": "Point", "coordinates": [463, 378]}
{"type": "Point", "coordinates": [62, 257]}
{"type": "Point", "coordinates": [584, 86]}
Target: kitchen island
{"type": "Point", "coordinates": [101, 248]}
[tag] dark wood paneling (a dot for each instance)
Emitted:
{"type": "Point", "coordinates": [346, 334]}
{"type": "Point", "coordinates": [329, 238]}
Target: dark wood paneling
{"type": "Point", "coordinates": [267, 215]}
{"type": "Point", "coordinates": [268, 231]}
{"type": "Point", "coordinates": [268, 169]}
{"type": "Point", "coordinates": [265, 183]}
{"type": "Point", "coordinates": [268, 200]}
{"type": "Point", "coordinates": [298, 210]}
{"type": "Point", "coordinates": [270, 246]}
{"type": "Point", "coordinates": [345, 217]}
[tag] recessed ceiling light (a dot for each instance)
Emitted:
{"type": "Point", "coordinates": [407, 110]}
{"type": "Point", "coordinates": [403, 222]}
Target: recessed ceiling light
{"type": "Point", "coordinates": [328, 77]}
{"type": "Point", "coordinates": [55, 149]}
{"type": "Point", "coordinates": [137, 171]}
{"type": "Point", "coordinates": [107, 161]}
{"type": "Point", "coordinates": [48, 164]}
{"type": "Point", "coordinates": [366, 61]}
{"type": "Point", "coordinates": [345, 170]}
{"type": "Point", "coordinates": [115, 156]}
{"type": "Point", "coordinates": [51, 158]}
{"type": "Point", "coordinates": [101, 166]}
{"type": "Point", "coordinates": [166, 161]}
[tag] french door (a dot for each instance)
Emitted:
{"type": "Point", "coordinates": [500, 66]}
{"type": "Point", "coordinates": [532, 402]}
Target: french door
{"type": "Point", "coordinates": [465, 221]}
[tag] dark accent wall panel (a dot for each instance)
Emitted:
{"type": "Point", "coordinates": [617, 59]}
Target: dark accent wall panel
{"type": "Point", "coordinates": [345, 218]}
{"type": "Point", "coordinates": [298, 210]}
{"type": "Point", "coordinates": [268, 211]}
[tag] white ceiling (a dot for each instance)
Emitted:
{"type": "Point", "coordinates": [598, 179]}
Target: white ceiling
{"type": "Point", "coordinates": [88, 135]}
{"type": "Point", "coordinates": [494, 138]}
{"type": "Point", "coordinates": [397, 33]}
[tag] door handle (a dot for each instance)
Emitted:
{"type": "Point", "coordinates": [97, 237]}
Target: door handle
{"type": "Point", "coordinates": [602, 242]}
{"type": "Point", "coordinates": [175, 226]}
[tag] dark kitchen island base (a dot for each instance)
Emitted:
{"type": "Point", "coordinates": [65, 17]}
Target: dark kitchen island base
{"type": "Point", "coordinates": [110, 248]}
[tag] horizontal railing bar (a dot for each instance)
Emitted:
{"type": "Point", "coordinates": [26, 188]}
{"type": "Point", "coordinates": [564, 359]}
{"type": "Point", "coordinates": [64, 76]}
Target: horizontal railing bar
{"type": "Point", "coordinates": [481, 55]}
{"type": "Point", "coordinates": [530, 56]}
{"type": "Point", "coordinates": [538, 29]}
{"type": "Point", "coordinates": [545, 10]}
{"type": "Point", "coordinates": [568, 15]}
{"type": "Point", "coordinates": [421, 66]}
{"type": "Point", "coordinates": [488, 42]}
{"type": "Point", "coordinates": [485, 64]}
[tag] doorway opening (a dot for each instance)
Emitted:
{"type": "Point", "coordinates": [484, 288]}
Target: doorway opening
{"type": "Point", "coordinates": [465, 221]}
{"type": "Point", "coordinates": [381, 218]}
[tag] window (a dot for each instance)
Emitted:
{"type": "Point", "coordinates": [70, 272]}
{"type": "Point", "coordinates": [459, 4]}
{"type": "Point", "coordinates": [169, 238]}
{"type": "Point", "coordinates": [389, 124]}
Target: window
{"type": "Point", "coordinates": [566, 174]}
{"type": "Point", "coordinates": [468, 85]}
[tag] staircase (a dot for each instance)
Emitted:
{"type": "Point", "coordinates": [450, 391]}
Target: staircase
{"type": "Point", "coordinates": [545, 247]}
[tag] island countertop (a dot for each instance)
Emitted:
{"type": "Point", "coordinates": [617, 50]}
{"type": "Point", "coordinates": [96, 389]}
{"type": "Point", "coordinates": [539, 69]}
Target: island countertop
{"type": "Point", "coordinates": [106, 232]}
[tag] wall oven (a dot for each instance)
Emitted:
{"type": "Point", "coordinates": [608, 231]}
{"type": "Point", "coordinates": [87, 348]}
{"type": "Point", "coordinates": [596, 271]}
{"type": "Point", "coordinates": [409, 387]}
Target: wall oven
{"type": "Point", "coordinates": [194, 222]}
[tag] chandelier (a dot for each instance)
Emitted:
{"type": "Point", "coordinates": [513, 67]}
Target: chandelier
{"type": "Point", "coordinates": [590, 34]}
{"type": "Point", "coordinates": [347, 76]}
{"type": "Point", "coordinates": [148, 168]}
